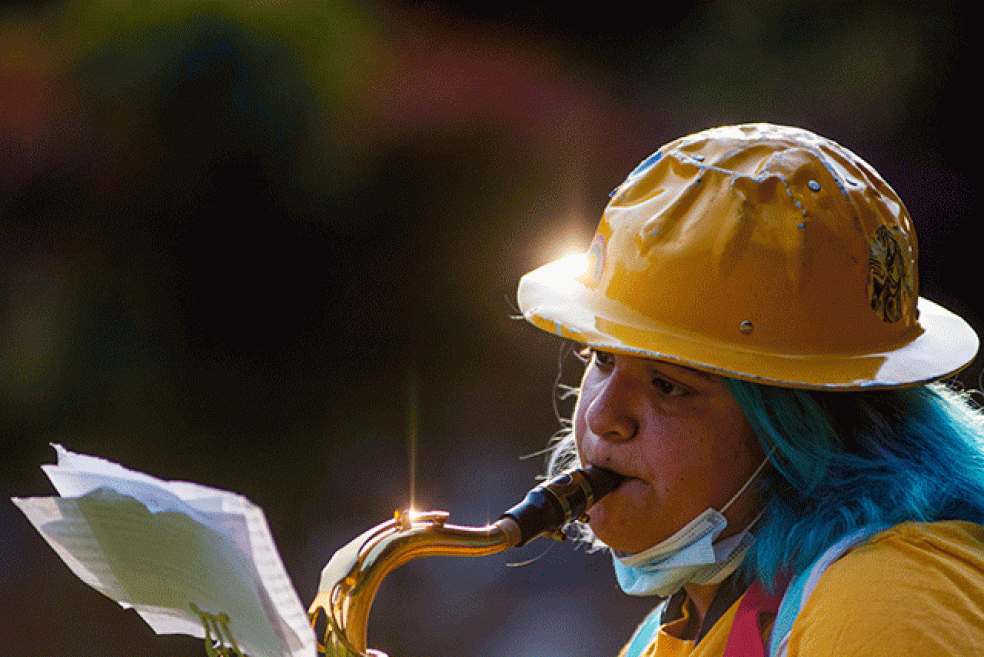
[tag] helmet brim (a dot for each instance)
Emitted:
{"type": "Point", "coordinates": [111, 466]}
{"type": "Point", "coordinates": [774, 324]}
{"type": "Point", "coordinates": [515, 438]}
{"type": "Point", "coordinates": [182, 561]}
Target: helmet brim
{"type": "Point", "coordinates": [553, 299]}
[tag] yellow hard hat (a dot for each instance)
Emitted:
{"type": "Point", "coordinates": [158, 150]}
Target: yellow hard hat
{"type": "Point", "coordinates": [760, 252]}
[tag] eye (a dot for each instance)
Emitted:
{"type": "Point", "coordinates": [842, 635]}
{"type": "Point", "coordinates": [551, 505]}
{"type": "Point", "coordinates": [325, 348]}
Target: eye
{"type": "Point", "coordinates": [601, 358]}
{"type": "Point", "coordinates": [669, 388]}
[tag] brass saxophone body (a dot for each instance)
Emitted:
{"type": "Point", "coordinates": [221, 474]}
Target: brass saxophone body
{"type": "Point", "coordinates": [351, 578]}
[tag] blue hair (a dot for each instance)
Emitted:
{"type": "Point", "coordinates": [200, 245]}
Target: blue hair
{"type": "Point", "coordinates": [846, 460]}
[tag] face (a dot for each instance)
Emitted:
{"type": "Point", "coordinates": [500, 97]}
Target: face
{"type": "Point", "coordinates": [679, 436]}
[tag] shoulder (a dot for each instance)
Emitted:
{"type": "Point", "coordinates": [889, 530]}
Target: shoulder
{"type": "Point", "coordinates": [914, 557]}
{"type": "Point", "coordinates": [916, 588]}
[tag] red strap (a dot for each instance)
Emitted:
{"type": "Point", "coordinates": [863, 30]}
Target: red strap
{"type": "Point", "coordinates": [745, 638]}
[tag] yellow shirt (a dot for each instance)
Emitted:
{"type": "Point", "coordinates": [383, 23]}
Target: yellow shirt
{"type": "Point", "coordinates": [916, 589]}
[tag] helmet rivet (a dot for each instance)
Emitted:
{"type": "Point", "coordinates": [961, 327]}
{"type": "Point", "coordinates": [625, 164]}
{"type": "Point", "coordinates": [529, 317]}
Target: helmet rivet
{"type": "Point", "coordinates": [745, 327]}
{"type": "Point", "coordinates": [814, 185]}
{"type": "Point", "coordinates": [801, 225]}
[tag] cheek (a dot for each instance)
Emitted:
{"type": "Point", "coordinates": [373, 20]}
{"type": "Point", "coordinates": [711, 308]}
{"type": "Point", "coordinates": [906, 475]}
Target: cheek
{"type": "Point", "coordinates": [697, 460]}
{"type": "Point", "coordinates": [665, 452]}
{"type": "Point", "coordinates": [743, 442]}
{"type": "Point", "coordinates": [736, 456]}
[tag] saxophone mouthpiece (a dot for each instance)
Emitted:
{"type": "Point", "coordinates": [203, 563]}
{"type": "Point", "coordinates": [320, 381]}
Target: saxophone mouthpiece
{"type": "Point", "coordinates": [553, 504]}
{"type": "Point", "coordinates": [602, 481]}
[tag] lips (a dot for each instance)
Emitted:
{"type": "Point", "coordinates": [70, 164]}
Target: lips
{"type": "Point", "coordinates": [617, 470]}
{"type": "Point", "coordinates": [631, 490]}
{"type": "Point", "coordinates": [602, 481]}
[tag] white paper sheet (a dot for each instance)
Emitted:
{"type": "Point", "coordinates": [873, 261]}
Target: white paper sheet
{"type": "Point", "coordinates": [160, 546]}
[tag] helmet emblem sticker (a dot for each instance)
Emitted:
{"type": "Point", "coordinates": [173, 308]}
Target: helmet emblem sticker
{"type": "Point", "coordinates": [889, 277]}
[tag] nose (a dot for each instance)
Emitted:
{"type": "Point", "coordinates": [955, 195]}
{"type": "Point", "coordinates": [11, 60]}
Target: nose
{"type": "Point", "coordinates": [610, 412]}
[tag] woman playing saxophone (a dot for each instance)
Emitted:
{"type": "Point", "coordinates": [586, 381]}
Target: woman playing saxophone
{"type": "Point", "coordinates": [761, 369]}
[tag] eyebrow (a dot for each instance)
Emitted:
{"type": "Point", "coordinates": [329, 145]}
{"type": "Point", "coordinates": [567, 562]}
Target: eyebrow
{"type": "Point", "coordinates": [707, 376]}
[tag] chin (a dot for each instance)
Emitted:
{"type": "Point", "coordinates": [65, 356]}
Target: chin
{"type": "Point", "coordinates": [617, 538]}
{"type": "Point", "coordinates": [617, 532]}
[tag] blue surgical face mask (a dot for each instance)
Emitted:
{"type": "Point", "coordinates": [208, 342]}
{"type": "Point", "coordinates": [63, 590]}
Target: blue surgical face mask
{"type": "Point", "coordinates": [689, 555]}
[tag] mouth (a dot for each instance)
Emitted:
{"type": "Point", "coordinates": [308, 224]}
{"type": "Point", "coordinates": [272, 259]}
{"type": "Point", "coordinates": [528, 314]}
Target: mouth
{"type": "Point", "coordinates": [602, 480]}
{"type": "Point", "coordinates": [626, 483]}
{"type": "Point", "coordinates": [609, 468]}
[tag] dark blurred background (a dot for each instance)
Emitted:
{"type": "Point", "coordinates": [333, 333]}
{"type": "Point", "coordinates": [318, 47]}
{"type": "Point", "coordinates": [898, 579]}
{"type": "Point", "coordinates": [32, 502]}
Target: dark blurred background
{"type": "Point", "coordinates": [262, 245]}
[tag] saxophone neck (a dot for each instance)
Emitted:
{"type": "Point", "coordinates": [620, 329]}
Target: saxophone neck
{"type": "Point", "coordinates": [353, 575]}
{"type": "Point", "coordinates": [351, 578]}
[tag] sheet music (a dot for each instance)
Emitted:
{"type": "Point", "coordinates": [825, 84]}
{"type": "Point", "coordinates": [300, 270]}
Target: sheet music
{"type": "Point", "coordinates": [159, 547]}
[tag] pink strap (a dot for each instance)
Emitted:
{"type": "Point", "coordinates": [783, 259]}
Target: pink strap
{"type": "Point", "coordinates": [745, 638]}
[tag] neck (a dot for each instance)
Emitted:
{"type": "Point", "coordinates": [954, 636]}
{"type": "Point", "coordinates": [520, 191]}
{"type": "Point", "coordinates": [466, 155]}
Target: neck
{"type": "Point", "coordinates": [702, 595]}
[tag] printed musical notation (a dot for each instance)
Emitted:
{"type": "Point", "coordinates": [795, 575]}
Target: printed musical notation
{"type": "Point", "coordinates": [188, 558]}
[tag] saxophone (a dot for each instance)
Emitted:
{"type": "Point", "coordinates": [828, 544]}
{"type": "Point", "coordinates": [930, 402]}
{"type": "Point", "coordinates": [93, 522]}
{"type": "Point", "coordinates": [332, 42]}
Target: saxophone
{"type": "Point", "coordinates": [351, 578]}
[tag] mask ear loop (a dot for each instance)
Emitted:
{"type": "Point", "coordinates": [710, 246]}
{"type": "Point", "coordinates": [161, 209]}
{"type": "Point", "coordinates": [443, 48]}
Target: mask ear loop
{"type": "Point", "coordinates": [758, 471]}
